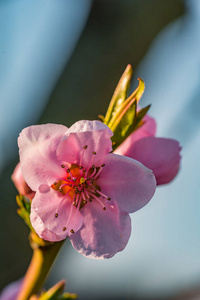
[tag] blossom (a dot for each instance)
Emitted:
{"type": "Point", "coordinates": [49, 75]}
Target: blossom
{"type": "Point", "coordinates": [158, 154]}
{"type": "Point", "coordinates": [20, 184]}
{"type": "Point", "coordinates": [83, 191]}
{"type": "Point", "coordinates": [11, 291]}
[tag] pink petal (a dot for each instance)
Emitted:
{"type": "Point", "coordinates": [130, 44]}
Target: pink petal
{"type": "Point", "coordinates": [158, 154]}
{"type": "Point", "coordinates": [49, 226]}
{"type": "Point", "coordinates": [20, 184]}
{"type": "Point", "coordinates": [37, 149]}
{"type": "Point", "coordinates": [11, 291]}
{"type": "Point", "coordinates": [147, 129]}
{"type": "Point", "coordinates": [104, 232]}
{"type": "Point", "coordinates": [127, 181]}
{"type": "Point", "coordinates": [94, 134]}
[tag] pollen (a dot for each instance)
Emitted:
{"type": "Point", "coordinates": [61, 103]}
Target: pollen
{"type": "Point", "coordinates": [82, 180]}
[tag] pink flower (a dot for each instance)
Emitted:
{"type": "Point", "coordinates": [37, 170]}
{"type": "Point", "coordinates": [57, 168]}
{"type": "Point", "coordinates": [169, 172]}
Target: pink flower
{"type": "Point", "coordinates": [20, 184]}
{"type": "Point", "coordinates": [11, 291]}
{"type": "Point", "coordinates": [160, 155]}
{"type": "Point", "coordinates": [82, 190]}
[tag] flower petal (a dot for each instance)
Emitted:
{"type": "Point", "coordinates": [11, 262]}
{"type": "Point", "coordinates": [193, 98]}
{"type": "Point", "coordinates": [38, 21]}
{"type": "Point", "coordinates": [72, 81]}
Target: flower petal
{"type": "Point", "coordinates": [94, 134]}
{"type": "Point", "coordinates": [20, 184]}
{"type": "Point", "coordinates": [37, 149]}
{"type": "Point", "coordinates": [53, 215]}
{"type": "Point", "coordinates": [127, 181]}
{"type": "Point", "coordinates": [104, 232]}
{"type": "Point", "coordinates": [147, 129]}
{"type": "Point", "coordinates": [158, 154]}
{"type": "Point", "coordinates": [11, 291]}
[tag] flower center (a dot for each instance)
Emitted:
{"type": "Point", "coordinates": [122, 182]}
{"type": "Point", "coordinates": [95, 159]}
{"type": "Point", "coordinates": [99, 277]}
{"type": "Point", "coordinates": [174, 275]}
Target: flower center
{"type": "Point", "coordinates": [81, 184]}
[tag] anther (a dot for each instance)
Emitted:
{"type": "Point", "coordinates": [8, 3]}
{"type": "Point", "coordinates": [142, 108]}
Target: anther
{"type": "Point", "coordinates": [68, 170]}
{"type": "Point", "coordinates": [95, 191]}
{"type": "Point", "coordinates": [103, 165]}
{"type": "Point", "coordinates": [90, 199]}
{"type": "Point", "coordinates": [93, 166]}
{"type": "Point", "coordinates": [56, 215]}
{"type": "Point", "coordinates": [74, 203]}
{"type": "Point", "coordinates": [104, 208]}
{"type": "Point", "coordinates": [80, 168]}
{"type": "Point", "coordinates": [69, 177]}
{"type": "Point", "coordinates": [60, 190]}
{"type": "Point", "coordinates": [77, 191]}
{"type": "Point", "coordinates": [85, 147]}
{"type": "Point", "coordinates": [70, 185]}
{"type": "Point", "coordinates": [55, 182]}
{"type": "Point", "coordinates": [108, 198]}
{"type": "Point", "coordinates": [94, 153]}
{"type": "Point", "coordinates": [84, 171]}
{"type": "Point", "coordinates": [63, 166]}
{"type": "Point", "coordinates": [74, 179]}
{"type": "Point", "coordinates": [72, 231]}
{"type": "Point", "coordinates": [82, 180]}
{"type": "Point", "coordinates": [85, 202]}
{"type": "Point", "coordinates": [64, 228]}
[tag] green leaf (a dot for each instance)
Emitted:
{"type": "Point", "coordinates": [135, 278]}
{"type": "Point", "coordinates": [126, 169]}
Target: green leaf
{"type": "Point", "coordinates": [123, 124]}
{"type": "Point", "coordinates": [137, 94]}
{"type": "Point", "coordinates": [24, 209]}
{"type": "Point", "coordinates": [68, 296]}
{"type": "Point", "coordinates": [140, 115]}
{"type": "Point", "coordinates": [120, 94]}
{"type": "Point", "coordinates": [126, 118]}
{"type": "Point", "coordinates": [56, 293]}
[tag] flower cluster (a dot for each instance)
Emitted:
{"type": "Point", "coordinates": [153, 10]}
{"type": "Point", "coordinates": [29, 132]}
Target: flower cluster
{"type": "Point", "coordinates": [82, 190]}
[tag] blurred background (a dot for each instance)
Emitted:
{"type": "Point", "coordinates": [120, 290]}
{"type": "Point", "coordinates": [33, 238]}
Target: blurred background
{"type": "Point", "coordinates": [60, 62]}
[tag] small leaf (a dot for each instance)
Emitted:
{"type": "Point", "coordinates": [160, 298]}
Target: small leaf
{"type": "Point", "coordinates": [123, 125]}
{"type": "Point", "coordinates": [121, 113]}
{"type": "Point", "coordinates": [24, 209]}
{"type": "Point", "coordinates": [126, 118]}
{"type": "Point", "coordinates": [137, 94]}
{"type": "Point", "coordinates": [140, 115]}
{"type": "Point", "coordinates": [56, 293]}
{"type": "Point", "coordinates": [68, 296]}
{"type": "Point", "coordinates": [120, 94]}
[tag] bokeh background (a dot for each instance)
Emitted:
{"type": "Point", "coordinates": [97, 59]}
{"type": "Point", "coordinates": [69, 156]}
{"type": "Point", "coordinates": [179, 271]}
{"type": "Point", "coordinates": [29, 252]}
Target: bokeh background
{"type": "Point", "coordinates": [60, 62]}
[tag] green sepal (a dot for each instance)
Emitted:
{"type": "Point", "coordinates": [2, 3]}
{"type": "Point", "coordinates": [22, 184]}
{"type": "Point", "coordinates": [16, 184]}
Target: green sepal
{"type": "Point", "coordinates": [24, 209]}
{"type": "Point", "coordinates": [120, 94]}
{"type": "Point", "coordinates": [56, 293]}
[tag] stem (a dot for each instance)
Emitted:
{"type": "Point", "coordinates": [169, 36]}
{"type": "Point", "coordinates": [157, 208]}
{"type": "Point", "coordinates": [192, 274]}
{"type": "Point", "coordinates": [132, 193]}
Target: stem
{"type": "Point", "coordinates": [42, 260]}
